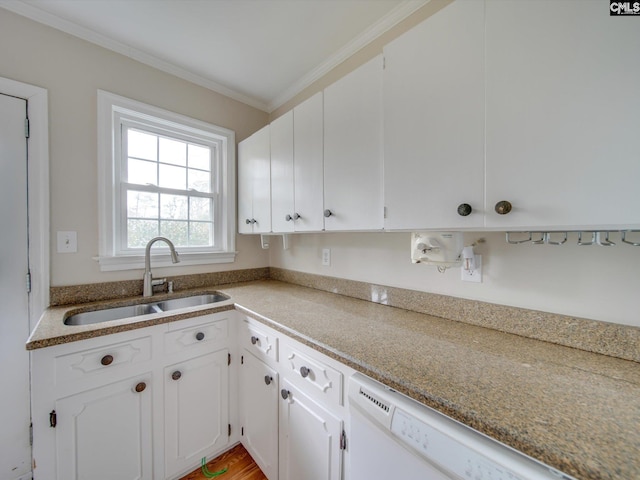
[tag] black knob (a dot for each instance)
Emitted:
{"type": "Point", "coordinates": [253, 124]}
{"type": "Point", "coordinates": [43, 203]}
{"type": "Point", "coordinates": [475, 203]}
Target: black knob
{"type": "Point", "coordinates": [254, 340]}
{"type": "Point", "coordinates": [268, 379]}
{"type": "Point", "coordinates": [176, 375]}
{"type": "Point", "coordinates": [464, 209]}
{"type": "Point", "coordinates": [503, 207]}
{"type": "Point", "coordinates": [304, 372]}
{"type": "Point", "coordinates": [328, 213]}
{"type": "Point", "coordinates": [285, 393]}
{"type": "Point", "coordinates": [106, 360]}
{"type": "Point", "coordinates": [199, 336]}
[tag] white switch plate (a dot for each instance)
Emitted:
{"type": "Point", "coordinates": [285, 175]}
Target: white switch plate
{"type": "Point", "coordinates": [473, 275]}
{"type": "Point", "coordinates": [67, 242]}
{"type": "Point", "coordinates": [326, 257]}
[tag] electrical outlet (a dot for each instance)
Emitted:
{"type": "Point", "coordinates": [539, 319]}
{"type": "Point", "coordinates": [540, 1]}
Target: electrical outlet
{"type": "Point", "coordinates": [67, 242]}
{"type": "Point", "coordinates": [326, 257]}
{"type": "Point", "coordinates": [474, 275]}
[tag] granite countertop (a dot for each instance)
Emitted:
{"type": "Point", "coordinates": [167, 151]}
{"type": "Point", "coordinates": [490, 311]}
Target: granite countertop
{"type": "Point", "coordinates": [574, 410]}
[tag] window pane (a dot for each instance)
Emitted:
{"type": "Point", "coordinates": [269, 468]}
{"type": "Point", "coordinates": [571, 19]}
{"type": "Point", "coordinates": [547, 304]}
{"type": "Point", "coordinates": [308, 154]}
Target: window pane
{"type": "Point", "coordinates": [139, 232]}
{"type": "Point", "coordinates": [200, 209]}
{"type": "Point", "coordinates": [199, 157]}
{"type": "Point", "coordinates": [173, 207]}
{"type": "Point", "coordinates": [173, 177]}
{"type": "Point", "coordinates": [142, 172]}
{"type": "Point", "coordinates": [200, 234]}
{"type": "Point", "coordinates": [177, 232]}
{"type": "Point", "coordinates": [142, 145]}
{"type": "Point", "coordinates": [142, 204]}
{"type": "Point", "coordinates": [173, 151]}
{"type": "Point", "coordinates": [199, 180]}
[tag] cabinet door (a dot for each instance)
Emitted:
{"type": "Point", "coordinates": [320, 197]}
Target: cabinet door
{"type": "Point", "coordinates": [308, 164]}
{"type": "Point", "coordinates": [563, 109]}
{"type": "Point", "coordinates": [196, 410]}
{"type": "Point", "coordinates": [309, 438]}
{"type": "Point", "coordinates": [434, 121]}
{"type": "Point", "coordinates": [105, 433]}
{"type": "Point", "coordinates": [254, 183]}
{"type": "Point", "coordinates": [282, 201]}
{"type": "Point", "coordinates": [353, 150]}
{"type": "Point", "coordinates": [259, 413]}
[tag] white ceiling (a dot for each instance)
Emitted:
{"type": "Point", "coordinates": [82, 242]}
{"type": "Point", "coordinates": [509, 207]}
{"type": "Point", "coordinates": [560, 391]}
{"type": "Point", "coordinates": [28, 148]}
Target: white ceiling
{"type": "Point", "coordinates": [261, 52]}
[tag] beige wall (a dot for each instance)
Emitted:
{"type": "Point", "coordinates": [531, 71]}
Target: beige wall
{"type": "Point", "coordinates": [72, 70]}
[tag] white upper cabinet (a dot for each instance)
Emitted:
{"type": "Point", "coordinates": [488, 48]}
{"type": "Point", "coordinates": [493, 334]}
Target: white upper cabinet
{"type": "Point", "coordinates": [282, 200]}
{"type": "Point", "coordinates": [563, 115]}
{"type": "Point", "coordinates": [434, 121]}
{"type": "Point", "coordinates": [308, 164]}
{"type": "Point", "coordinates": [353, 150]}
{"type": "Point", "coordinates": [254, 183]}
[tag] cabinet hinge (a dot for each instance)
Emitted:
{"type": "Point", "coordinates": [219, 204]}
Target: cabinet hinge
{"type": "Point", "coordinates": [53, 419]}
{"type": "Point", "coordinates": [384, 63]}
{"type": "Point", "coordinates": [26, 128]}
{"type": "Point", "coordinates": [228, 359]}
{"type": "Point", "coordinates": [242, 431]}
{"type": "Point", "coordinates": [242, 360]}
{"type": "Point", "coordinates": [31, 434]}
{"type": "Point", "coordinates": [28, 281]}
{"type": "Point", "coordinates": [384, 212]}
{"type": "Point", "coordinates": [229, 431]}
{"type": "Point", "coordinates": [343, 440]}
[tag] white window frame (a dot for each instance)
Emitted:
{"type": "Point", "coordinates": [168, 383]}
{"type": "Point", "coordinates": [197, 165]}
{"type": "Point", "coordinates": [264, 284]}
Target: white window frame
{"type": "Point", "coordinates": [113, 111]}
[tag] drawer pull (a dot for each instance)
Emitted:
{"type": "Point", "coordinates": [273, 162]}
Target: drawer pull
{"type": "Point", "coordinates": [176, 375]}
{"type": "Point", "coordinates": [268, 379]}
{"type": "Point", "coordinates": [199, 336]}
{"type": "Point", "coordinates": [285, 393]}
{"type": "Point", "coordinates": [304, 372]}
{"type": "Point", "coordinates": [140, 387]}
{"type": "Point", "coordinates": [107, 360]}
{"type": "Point", "coordinates": [254, 340]}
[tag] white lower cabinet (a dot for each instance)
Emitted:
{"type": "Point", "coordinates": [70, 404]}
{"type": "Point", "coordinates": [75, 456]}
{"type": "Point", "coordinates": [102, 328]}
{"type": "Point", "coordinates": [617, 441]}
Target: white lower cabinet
{"type": "Point", "coordinates": [105, 432]}
{"type": "Point", "coordinates": [196, 411]}
{"type": "Point", "coordinates": [259, 413]}
{"type": "Point", "coordinates": [146, 404]}
{"type": "Point", "coordinates": [310, 438]}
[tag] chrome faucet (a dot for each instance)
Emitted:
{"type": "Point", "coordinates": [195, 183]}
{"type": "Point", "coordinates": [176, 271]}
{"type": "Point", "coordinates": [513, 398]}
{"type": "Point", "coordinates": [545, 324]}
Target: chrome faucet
{"type": "Point", "coordinates": [149, 282]}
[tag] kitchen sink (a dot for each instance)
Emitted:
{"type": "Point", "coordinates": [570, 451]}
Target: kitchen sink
{"type": "Point", "coordinates": [116, 313]}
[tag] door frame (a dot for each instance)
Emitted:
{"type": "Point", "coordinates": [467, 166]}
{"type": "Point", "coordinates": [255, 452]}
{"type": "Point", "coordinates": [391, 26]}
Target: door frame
{"type": "Point", "coordinates": [38, 183]}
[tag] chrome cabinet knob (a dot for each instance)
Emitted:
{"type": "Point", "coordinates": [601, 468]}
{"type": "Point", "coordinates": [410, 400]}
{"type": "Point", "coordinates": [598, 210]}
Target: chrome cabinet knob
{"type": "Point", "coordinates": [250, 221]}
{"type": "Point", "coordinates": [503, 207]}
{"type": "Point", "coordinates": [328, 213]}
{"type": "Point", "coordinates": [268, 379]}
{"type": "Point", "coordinates": [254, 340]}
{"type": "Point", "coordinates": [288, 218]}
{"type": "Point", "coordinates": [464, 209]}
{"type": "Point", "coordinates": [304, 372]}
{"type": "Point", "coordinates": [296, 216]}
{"type": "Point", "coordinates": [285, 393]}
{"type": "Point", "coordinates": [176, 375]}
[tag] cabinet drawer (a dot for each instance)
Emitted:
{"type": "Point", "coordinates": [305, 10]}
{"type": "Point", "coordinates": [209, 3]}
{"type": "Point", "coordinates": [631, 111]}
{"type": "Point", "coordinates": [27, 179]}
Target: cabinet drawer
{"type": "Point", "coordinates": [258, 340]}
{"type": "Point", "coordinates": [111, 359]}
{"type": "Point", "coordinates": [312, 375]}
{"type": "Point", "coordinates": [207, 330]}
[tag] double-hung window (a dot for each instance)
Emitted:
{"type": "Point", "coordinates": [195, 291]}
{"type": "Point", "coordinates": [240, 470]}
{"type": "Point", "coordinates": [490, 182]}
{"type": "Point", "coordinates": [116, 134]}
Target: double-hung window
{"type": "Point", "coordinates": [163, 174]}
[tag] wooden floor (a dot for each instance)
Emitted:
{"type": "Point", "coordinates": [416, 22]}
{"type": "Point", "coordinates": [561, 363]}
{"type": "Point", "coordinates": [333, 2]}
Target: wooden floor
{"type": "Point", "coordinates": [239, 463]}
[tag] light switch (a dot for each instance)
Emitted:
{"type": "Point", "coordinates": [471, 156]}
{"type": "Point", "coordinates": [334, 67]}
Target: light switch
{"type": "Point", "coordinates": [67, 242]}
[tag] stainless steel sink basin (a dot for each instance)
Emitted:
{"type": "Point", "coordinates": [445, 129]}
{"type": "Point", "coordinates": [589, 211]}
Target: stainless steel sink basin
{"type": "Point", "coordinates": [185, 302]}
{"type": "Point", "coordinates": [116, 313]}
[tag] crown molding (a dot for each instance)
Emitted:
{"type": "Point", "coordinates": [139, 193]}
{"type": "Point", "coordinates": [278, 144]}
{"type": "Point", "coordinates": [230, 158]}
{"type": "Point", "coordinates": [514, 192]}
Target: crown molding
{"type": "Point", "coordinates": [395, 16]}
{"type": "Point", "coordinates": [38, 15]}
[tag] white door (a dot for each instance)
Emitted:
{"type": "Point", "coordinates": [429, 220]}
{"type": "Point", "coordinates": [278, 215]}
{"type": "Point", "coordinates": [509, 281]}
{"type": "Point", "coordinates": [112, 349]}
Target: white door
{"type": "Point", "coordinates": [254, 183]}
{"type": "Point", "coordinates": [353, 150]}
{"type": "Point", "coordinates": [259, 413]}
{"type": "Point", "coordinates": [15, 450]}
{"type": "Point", "coordinates": [196, 410]}
{"type": "Point", "coordinates": [283, 215]}
{"type": "Point", "coordinates": [105, 433]}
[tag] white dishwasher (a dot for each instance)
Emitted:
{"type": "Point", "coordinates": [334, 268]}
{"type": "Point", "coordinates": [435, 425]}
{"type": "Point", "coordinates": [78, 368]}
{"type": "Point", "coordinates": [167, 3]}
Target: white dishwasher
{"type": "Point", "coordinates": [395, 437]}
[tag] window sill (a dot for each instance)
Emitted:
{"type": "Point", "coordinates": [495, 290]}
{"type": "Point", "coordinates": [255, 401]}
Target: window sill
{"type": "Point", "coordinates": [134, 262]}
